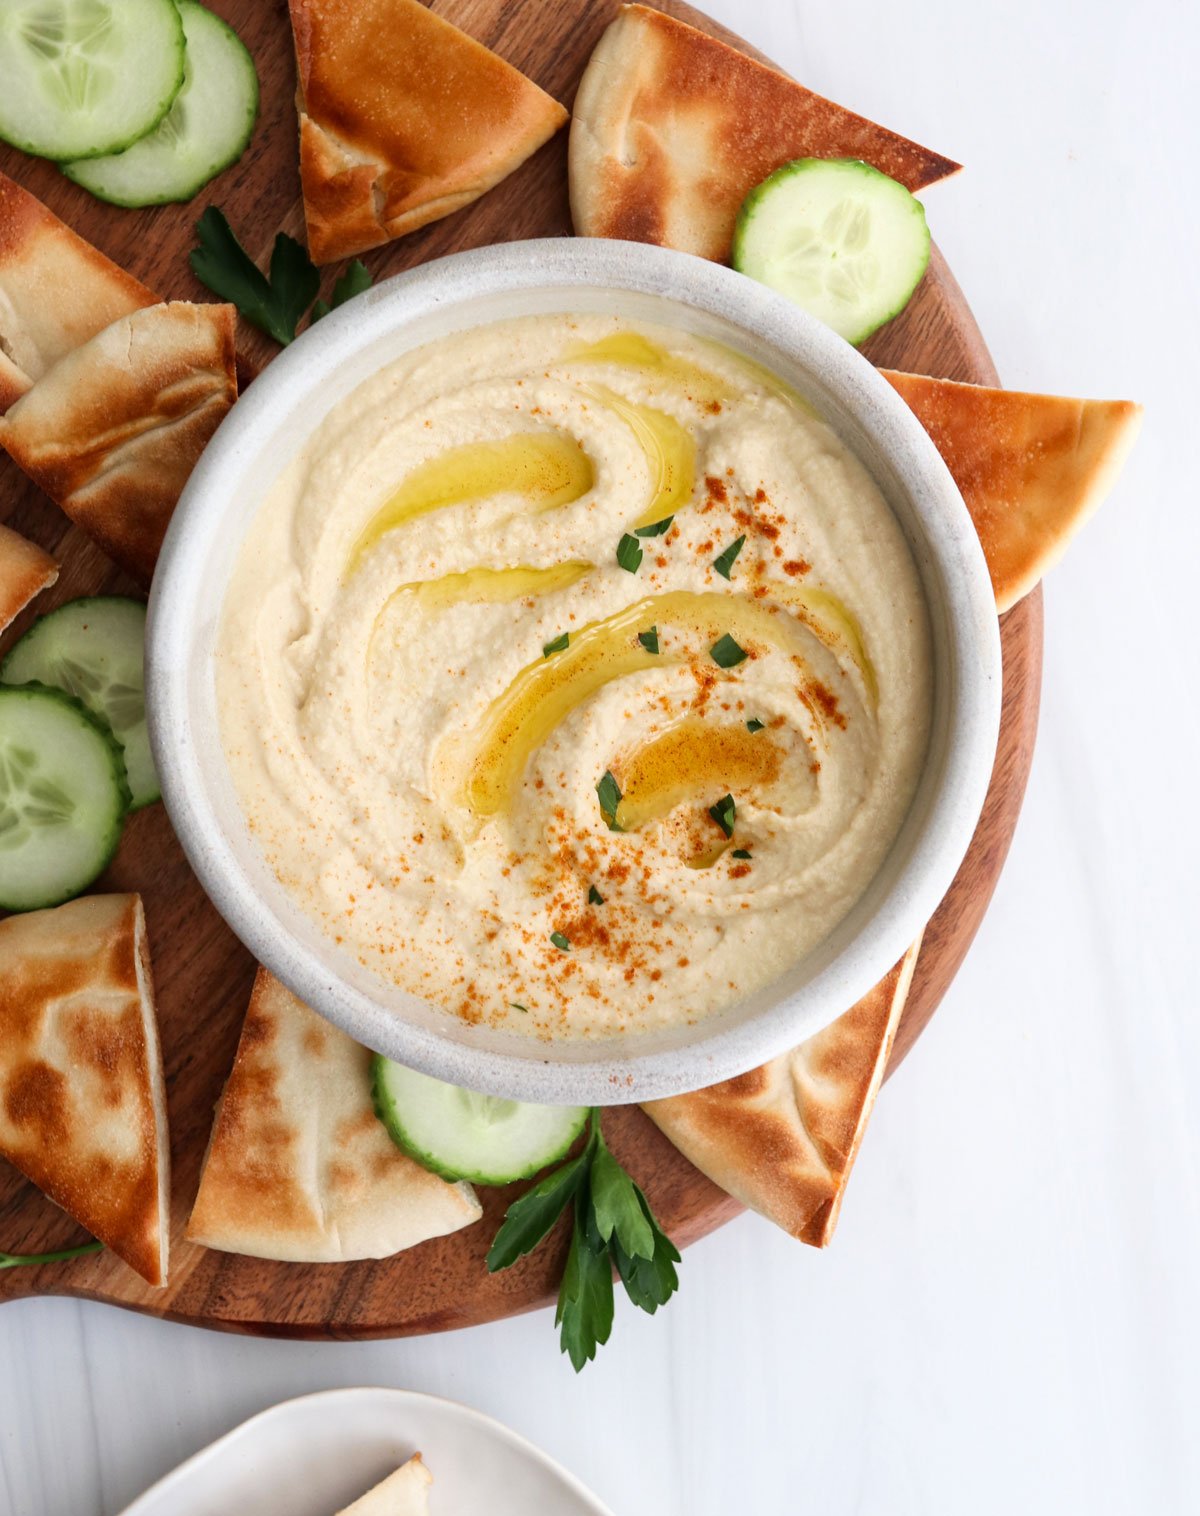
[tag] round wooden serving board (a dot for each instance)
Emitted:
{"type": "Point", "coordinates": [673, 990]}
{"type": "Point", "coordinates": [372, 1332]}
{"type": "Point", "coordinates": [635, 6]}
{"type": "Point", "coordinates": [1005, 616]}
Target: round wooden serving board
{"type": "Point", "coordinates": [203, 974]}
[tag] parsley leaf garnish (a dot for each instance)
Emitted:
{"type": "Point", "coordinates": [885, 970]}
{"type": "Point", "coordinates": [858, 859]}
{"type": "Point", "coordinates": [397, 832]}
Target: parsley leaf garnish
{"type": "Point", "coordinates": [612, 1223]}
{"type": "Point", "coordinates": [615, 1206]}
{"type": "Point", "coordinates": [724, 562]}
{"type": "Point", "coordinates": [563, 944]}
{"type": "Point", "coordinates": [353, 282]}
{"type": "Point", "coordinates": [275, 303]}
{"type": "Point", "coordinates": [754, 724]}
{"type": "Point", "coordinates": [629, 554]}
{"type": "Point", "coordinates": [594, 896]}
{"type": "Point", "coordinates": [656, 528]}
{"type": "Point", "coordinates": [740, 852]}
{"type": "Point", "coordinates": [724, 813]}
{"type": "Point", "coordinates": [559, 645]}
{"type": "Point", "coordinates": [608, 792]}
{"type": "Point", "coordinates": [529, 1219]}
{"type": "Point", "coordinates": [649, 1282]}
{"type": "Point", "coordinates": [649, 640]}
{"type": "Point", "coordinates": [726, 652]}
{"type": "Point", "coordinates": [585, 1296]}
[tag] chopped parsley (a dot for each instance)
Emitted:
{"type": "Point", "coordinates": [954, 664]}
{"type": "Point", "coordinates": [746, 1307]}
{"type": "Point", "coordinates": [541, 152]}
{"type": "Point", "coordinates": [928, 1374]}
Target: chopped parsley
{"type": "Point", "coordinates": [559, 645]}
{"type": "Point", "coordinates": [563, 944]}
{"type": "Point", "coordinates": [726, 653]}
{"type": "Point", "coordinates": [594, 896]}
{"type": "Point", "coordinates": [649, 640]}
{"type": "Point", "coordinates": [740, 852]}
{"type": "Point", "coordinates": [608, 792]}
{"type": "Point", "coordinates": [629, 554]}
{"type": "Point", "coordinates": [724, 814]}
{"type": "Point", "coordinates": [513, 1006]}
{"type": "Point", "coordinates": [754, 724]}
{"type": "Point", "coordinates": [656, 528]}
{"type": "Point", "coordinates": [725, 561]}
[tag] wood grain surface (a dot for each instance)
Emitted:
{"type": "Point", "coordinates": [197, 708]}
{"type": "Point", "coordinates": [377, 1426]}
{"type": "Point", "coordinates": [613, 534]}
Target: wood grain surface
{"type": "Point", "coordinates": [203, 973]}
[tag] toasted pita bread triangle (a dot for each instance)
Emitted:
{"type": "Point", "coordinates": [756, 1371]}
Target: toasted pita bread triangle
{"type": "Point", "coordinates": [673, 129]}
{"type": "Point", "coordinates": [299, 1167]}
{"type": "Point", "coordinates": [56, 291]}
{"type": "Point", "coordinates": [782, 1139]}
{"type": "Point", "coordinates": [25, 570]}
{"type": "Point", "coordinates": [82, 1101]}
{"type": "Point", "coordinates": [403, 119]}
{"type": "Point", "coordinates": [404, 1493]}
{"type": "Point", "coordinates": [112, 431]}
{"type": "Point", "coordinates": [1031, 468]}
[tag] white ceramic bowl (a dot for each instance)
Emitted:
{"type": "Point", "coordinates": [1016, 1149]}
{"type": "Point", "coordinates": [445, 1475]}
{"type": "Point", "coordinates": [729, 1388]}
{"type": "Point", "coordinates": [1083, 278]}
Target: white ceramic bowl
{"type": "Point", "coordinates": [273, 420]}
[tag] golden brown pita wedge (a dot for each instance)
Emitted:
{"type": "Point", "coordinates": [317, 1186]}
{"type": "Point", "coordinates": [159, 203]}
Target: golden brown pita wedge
{"type": "Point", "coordinates": [25, 570]}
{"type": "Point", "coordinates": [56, 291]}
{"type": "Point", "coordinates": [783, 1138]}
{"type": "Point", "coordinates": [403, 119]}
{"type": "Point", "coordinates": [299, 1167]}
{"type": "Point", "coordinates": [82, 1104]}
{"type": "Point", "coordinates": [1031, 468]}
{"type": "Point", "coordinates": [404, 1493]}
{"type": "Point", "coordinates": [672, 130]}
{"type": "Point", "coordinates": [113, 430]}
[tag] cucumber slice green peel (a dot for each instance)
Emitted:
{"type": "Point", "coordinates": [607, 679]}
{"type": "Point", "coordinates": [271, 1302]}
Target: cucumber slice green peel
{"type": "Point", "coordinates": [839, 238]}
{"type": "Point", "coordinates": [63, 797]}
{"type": "Point", "coordinates": [463, 1135]}
{"type": "Point", "coordinates": [93, 649]}
{"type": "Point", "coordinates": [81, 78]}
{"type": "Point", "coordinates": [207, 128]}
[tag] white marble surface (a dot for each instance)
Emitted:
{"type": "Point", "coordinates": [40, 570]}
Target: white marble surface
{"type": "Point", "coordinates": [1008, 1318]}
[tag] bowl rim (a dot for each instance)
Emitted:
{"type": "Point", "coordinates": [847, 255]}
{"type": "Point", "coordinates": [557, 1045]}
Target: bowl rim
{"type": "Point", "coordinates": [616, 1074]}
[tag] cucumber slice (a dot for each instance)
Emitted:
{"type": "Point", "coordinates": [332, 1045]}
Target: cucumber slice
{"type": "Point", "coordinates": [461, 1135]}
{"type": "Point", "coordinates": [93, 649]}
{"type": "Point", "coordinates": [839, 238]}
{"type": "Point", "coordinates": [79, 78]}
{"type": "Point", "coordinates": [63, 797]}
{"type": "Point", "coordinates": [205, 130]}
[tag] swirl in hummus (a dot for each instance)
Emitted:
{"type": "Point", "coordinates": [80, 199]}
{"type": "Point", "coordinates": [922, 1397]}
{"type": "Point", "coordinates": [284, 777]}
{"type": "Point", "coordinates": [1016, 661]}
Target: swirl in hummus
{"type": "Point", "coordinates": [574, 677]}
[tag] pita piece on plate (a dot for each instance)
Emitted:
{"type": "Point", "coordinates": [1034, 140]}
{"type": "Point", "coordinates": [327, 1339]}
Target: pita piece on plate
{"type": "Point", "coordinates": [83, 1110]}
{"type": "Point", "coordinates": [783, 1138]}
{"type": "Point", "coordinates": [56, 291]}
{"type": "Point", "coordinates": [113, 430]}
{"type": "Point", "coordinates": [299, 1167]}
{"type": "Point", "coordinates": [404, 1493]}
{"type": "Point", "coordinates": [403, 119]}
{"type": "Point", "coordinates": [25, 570]}
{"type": "Point", "coordinates": [1031, 468]}
{"type": "Point", "coordinates": [672, 130]}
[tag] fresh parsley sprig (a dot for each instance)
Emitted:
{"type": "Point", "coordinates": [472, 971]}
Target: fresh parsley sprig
{"type": "Point", "coordinates": [612, 1227]}
{"type": "Point", "coordinates": [29, 1260]}
{"type": "Point", "coordinates": [274, 302]}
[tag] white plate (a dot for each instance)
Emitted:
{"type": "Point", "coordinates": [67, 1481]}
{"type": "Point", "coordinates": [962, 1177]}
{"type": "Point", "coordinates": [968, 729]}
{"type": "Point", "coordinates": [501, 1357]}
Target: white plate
{"type": "Point", "coordinates": [312, 1456]}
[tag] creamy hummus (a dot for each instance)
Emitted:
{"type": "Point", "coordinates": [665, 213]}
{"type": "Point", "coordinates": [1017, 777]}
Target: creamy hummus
{"type": "Point", "coordinates": [575, 678]}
